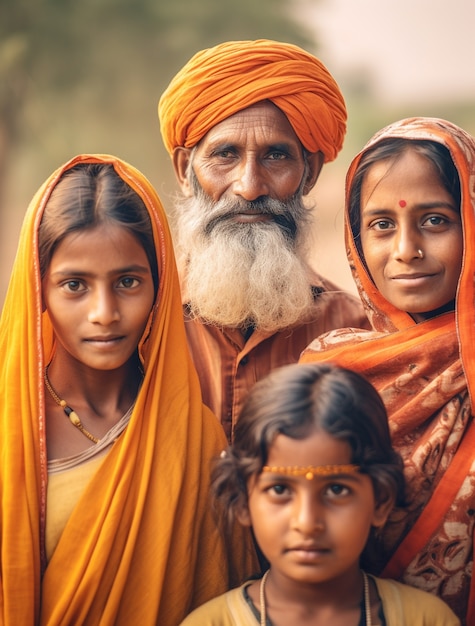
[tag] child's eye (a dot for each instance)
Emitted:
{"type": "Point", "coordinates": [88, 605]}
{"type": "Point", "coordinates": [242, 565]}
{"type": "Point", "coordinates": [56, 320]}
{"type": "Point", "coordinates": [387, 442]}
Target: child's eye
{"type": "Point", "coordinates": [278, 490]}
{"type": "Point", "coordinates": [337, 490]}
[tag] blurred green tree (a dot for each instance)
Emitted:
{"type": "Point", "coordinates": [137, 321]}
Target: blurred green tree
{"type": "Point", "coordinates": [86, 75]}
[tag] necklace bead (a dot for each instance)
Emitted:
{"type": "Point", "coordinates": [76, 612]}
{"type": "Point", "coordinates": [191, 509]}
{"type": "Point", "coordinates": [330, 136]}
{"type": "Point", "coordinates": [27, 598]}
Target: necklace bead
{"type": "Point", "coordinates": [69, 412]}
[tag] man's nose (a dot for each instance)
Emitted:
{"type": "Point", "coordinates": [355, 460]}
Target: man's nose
{"type": "Point", "coordinates": [251, 180]}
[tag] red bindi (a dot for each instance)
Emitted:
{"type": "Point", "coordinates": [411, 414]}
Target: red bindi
{"type": "Point", "coordinates": [402, 203]}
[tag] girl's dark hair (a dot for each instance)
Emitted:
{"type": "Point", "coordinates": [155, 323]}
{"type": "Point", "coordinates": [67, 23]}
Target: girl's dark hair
{"type": "Point", "coordinates": [393, 148]}
{"type": "Point", "coordinates": [295, 400]}
{"type": "Point", "coordinates": [87, 195]}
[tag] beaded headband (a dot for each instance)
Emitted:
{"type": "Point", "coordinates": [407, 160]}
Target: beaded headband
{"type": "Point", "coordinates": [312, 470]}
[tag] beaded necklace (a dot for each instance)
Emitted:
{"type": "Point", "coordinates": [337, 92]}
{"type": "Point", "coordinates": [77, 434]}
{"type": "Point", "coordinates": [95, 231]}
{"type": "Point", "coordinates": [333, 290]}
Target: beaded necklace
{"type": "Point", "coordinates": [69, 412]}
{"type": "Point", "coordinates": [367, 602]}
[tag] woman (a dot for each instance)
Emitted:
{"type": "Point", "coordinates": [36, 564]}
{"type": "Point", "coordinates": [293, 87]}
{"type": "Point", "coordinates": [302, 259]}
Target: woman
{"type": "Point", "coordinates": [420, 356]}
{"type": "Point", "coordinates": [105, 444]}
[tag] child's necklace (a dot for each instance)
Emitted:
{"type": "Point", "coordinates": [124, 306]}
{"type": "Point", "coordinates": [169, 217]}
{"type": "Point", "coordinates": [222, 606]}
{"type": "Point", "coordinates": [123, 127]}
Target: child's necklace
{"type": "Point", "coordinates": [367, 602]}
{"type": "Point", "coordinates": [73, 416]}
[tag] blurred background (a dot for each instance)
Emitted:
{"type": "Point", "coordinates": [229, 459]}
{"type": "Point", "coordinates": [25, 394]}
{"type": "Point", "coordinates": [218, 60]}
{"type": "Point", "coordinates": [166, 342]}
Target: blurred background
{"type": "Point", "coordinates": [86, 75]}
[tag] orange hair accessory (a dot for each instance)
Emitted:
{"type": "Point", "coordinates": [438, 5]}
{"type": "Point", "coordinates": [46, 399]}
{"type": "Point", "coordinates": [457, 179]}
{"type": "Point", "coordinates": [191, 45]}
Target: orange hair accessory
{"type": "Point", "coordinates": [312, 470]}
{"type": "Point", "coordinates": [220, 81]}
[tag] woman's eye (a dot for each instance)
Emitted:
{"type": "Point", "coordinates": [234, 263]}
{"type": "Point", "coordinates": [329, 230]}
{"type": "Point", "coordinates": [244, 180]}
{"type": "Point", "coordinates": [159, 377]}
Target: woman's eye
{"type": "Point", "coordinates": [435, 220]}
{"type": "Point", "coordinates": [381, 225]}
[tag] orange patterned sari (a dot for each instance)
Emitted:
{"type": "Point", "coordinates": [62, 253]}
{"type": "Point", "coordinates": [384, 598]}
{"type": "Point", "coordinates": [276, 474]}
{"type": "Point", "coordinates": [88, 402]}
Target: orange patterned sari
{"type": "Point", "coordinates": [141, 546]}
{"type": "Point", "coordinates": [426, 375]}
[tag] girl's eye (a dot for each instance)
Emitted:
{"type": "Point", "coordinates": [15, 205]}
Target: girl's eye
{"type": "Point", "coordinates": [128, 282]}
{"type": "Point", "coordinates": [73, 286]}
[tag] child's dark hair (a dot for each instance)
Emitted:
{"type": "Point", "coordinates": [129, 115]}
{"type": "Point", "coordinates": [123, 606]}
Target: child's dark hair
{"type": "Point", "coordinates": [393, 148]}
{"type": "Point", "coordinates": [295, 400]}
{"type": "Point", "coordinates": [87, 195]}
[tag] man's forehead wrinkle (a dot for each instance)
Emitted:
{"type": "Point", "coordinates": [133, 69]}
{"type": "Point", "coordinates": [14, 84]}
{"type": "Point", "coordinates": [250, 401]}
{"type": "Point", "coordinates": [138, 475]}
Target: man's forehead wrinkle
{"type": "Point", "coordinates": [264, 124]}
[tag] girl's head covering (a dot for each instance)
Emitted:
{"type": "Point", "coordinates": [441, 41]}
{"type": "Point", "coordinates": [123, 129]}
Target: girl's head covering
{"type": "Point", "coordinates": [220, 81]}
{"type": "Point", "coordinates": [136, 549]}
{"type": "Point", "coordinates": [461, 146]}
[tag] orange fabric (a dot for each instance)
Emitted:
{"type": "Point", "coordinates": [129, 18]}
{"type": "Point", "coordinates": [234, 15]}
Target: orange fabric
{"type": "Point", "coordinates": [141, 547]}
{"type": "Point", "coordinates": [426, 375]}
{"type": "Point", "coordinates": [220, 81]}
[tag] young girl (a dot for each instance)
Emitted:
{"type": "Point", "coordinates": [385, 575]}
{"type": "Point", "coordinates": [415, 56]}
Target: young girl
{"type": "Point", "coordinates": [409, 226]}
{"type": "Point", "coordinates": [105, 444]}
{"type": "Point", "coordinates": [312, 471]}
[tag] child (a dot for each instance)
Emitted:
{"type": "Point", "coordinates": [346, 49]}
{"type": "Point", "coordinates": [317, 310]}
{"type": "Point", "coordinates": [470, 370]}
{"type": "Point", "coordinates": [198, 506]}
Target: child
{"type": "Point", "coordinates": [105, 444]}
{"type": "Point", "coordinates": [408, 225]}
{"type": "Point", "coordinates": [312, 472]}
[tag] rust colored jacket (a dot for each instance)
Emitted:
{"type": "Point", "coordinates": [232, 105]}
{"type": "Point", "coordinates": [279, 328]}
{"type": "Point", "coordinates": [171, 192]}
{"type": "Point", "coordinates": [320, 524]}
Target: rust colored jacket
{"type": "Point", "coordinates": [228, 364]}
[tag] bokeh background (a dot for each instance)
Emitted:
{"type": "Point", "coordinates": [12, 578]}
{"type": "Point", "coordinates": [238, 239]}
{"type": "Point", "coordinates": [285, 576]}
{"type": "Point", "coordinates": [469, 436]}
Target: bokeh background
{"type": "Point", "coordinates": [86, 75]}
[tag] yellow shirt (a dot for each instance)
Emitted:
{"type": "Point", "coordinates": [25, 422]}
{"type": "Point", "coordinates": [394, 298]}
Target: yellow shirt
{"type": "Point", "coordinates": [64, 491]}
{"type": "Point", "coordinates": [402, 606]}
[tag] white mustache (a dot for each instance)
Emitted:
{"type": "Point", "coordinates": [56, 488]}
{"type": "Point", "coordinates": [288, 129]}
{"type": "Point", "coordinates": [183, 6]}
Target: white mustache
{"type": "Point", "coordinates": [290, 215]}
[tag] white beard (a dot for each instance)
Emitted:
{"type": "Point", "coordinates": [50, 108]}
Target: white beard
{"type": "Point", "coordinates": [244, 275]}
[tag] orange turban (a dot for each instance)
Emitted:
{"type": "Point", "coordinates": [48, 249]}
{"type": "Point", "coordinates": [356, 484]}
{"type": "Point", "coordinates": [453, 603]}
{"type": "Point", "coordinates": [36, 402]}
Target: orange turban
{"type": "Point", "coordinates": [220, 81]}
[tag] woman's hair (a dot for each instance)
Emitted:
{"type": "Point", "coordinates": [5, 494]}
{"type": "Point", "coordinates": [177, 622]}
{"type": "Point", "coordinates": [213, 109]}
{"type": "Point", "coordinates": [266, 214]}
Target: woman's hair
{"type": "Point", "coordinates": [87, 195]}
{"type": "Point", "coordinates": [294, 400]}
{"type": "Point", "coordinates": [393, 148]}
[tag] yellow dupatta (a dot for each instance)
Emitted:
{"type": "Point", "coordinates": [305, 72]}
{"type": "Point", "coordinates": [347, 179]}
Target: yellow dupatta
{"type": "Point", "coordinates": [426, 375]}
{"type": "Point", "coordinates": [141, 546]}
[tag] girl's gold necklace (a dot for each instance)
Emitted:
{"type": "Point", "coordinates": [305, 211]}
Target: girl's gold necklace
{"type": "Point", "coordinates": [69, 412]}
{"type": "Point", "coordinates": [367, 602]}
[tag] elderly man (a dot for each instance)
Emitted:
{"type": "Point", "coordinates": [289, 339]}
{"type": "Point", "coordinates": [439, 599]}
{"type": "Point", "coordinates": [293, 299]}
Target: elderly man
{"type": "Point", "coordinates": [248, 125]}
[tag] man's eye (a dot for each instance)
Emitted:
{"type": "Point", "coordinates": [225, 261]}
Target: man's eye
{"type": "Point", "coordinates": [223, 154]}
